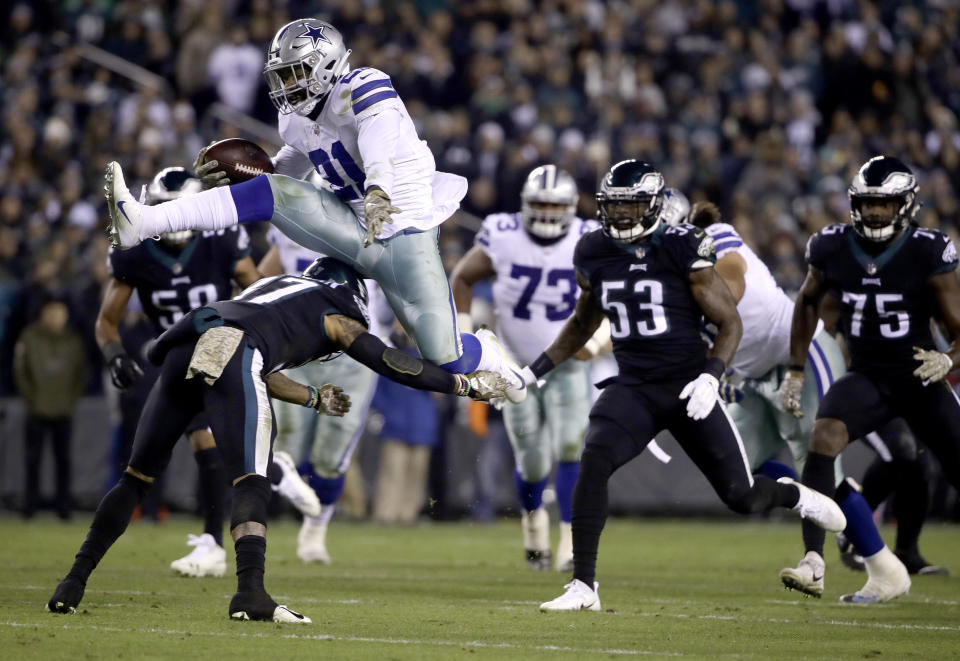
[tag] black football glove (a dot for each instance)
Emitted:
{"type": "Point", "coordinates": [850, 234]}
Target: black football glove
{"type": "Point", "coordinates": [124, 371]}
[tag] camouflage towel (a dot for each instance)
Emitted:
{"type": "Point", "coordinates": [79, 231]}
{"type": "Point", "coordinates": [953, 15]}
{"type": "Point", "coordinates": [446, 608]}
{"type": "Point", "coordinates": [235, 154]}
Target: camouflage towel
{"type": "Point", "coordinates": [214, 350]}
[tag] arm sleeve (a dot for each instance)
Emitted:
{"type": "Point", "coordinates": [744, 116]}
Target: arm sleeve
{"type": "Point", "coordinates": [399, 366]}
{"type": "Point", "coordinates": [377, 141]}
{"type": "Point", "coordinates": [725, 238]}
{"type": "Point", "coordinates": [292, 162]}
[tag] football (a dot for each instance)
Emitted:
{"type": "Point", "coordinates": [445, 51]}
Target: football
{"type": "Point", "coordinates": [239, 158]}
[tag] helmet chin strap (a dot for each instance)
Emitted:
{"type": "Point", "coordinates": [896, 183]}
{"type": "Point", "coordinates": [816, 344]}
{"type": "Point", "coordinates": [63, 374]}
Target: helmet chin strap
{"type": "Point", "coordinates": [630, 235]}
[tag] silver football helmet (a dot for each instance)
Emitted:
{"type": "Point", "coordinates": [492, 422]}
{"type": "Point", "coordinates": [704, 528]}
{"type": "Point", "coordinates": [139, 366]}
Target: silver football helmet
{"type": "Point", "coordinates": [883, 179]}
{"type": "Point", "coordinates": [548, 202]}
{"type": "Point", "coordinates": [306, 58]}
{"type": "Point", "coordinates": [676, 207]}
{"type": "Point", "coordinates": [169, 184]}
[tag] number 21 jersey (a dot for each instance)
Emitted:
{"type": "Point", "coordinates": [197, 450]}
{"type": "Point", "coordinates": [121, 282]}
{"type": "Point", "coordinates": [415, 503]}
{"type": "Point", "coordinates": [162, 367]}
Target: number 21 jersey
{"type": "Point", "coordinates": [885, 298]}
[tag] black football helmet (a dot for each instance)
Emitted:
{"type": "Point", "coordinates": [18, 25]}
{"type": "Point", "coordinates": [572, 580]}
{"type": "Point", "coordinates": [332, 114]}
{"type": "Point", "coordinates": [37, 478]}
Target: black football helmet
{"type": "Point", "coordinates": [629, 200]}
{"type": "Point", "coordinates": [883, 179]}
{"type": "Point", "coordinates": [338, 274]}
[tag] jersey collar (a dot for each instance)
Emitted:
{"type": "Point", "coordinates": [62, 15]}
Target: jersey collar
{"type": "Point", "coordinates": [176, 264]}
{"type": "Point", "coordinates": [874, 264]}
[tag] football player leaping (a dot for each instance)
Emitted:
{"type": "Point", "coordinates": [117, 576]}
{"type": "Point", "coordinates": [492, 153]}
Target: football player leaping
{"type": "Point", "coordinates": [171, 276]}
{"type": "Point", "coordinates": [891, 278]}
{"type": "Point", "coordinates": [387, 200]}
{"type": "Point", "coordinates": [761, 361]}
{"type": "Point", "coordinates": [531, 256]}
{"type": "Point", "coordinates": [225, 358]}
{"type": "Point", "coordinates": [655, 283]}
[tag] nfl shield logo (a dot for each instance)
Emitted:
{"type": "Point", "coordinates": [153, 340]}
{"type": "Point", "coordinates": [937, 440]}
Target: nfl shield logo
{"type": "Point", "coordinates": [640, 252]}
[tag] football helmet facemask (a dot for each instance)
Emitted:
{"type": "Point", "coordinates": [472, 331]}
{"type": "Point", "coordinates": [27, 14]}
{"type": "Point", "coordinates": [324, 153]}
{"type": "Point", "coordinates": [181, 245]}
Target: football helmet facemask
{"type": "Point", "coordinates": [169, 184]}
{"type": "Point", "coordinates": [305, 59]}
{"type": "Point", "coordinates": [629, 200]}
{"type": "Point", "coordinates": [676, 207]}
{"type": "Point", "coordinates": [548, 202]}
{"type": "Point", "coordinates": [339, 274]}
{"type": "Point", "coordinates": [881, 182]}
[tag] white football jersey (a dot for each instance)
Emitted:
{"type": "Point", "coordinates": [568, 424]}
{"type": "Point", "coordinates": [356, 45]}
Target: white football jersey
{"type": "Point", "coordinates": [294, 258]}
{"type": "Point", "coordinates": [766, 311]}
{"type": "Point", "coordinates": [359, 140]}
{"type": "Point", "coordinates": [535, 289]}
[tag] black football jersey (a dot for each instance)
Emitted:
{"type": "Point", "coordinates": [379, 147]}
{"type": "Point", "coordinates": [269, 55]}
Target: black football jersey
{"type": "Point", "coordinates": [284, 316]}
{"type": "Point", "coordinates": [171, 284]}
{"type": "Point", "coordinates": [886, 301]}
{"type": "Point", "coordinates": [644, 290]}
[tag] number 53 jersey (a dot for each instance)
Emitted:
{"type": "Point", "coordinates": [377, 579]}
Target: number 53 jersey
{"type": "Point", "coordinates": [535, 288]}
{"type": "Point", "coordinates": [885, 298]}
{"type": "Point", "coordinates": [644, 290]}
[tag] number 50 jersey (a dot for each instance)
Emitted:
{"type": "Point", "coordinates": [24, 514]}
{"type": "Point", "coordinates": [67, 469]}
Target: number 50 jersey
{"type": "Point", "coordinates": [644, 290]}
{"type": "Point", "coordinates": [886, 301]}
{"type": "Point", "coordinates": [535, 289]}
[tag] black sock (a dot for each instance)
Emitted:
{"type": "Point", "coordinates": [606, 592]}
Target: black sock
{"type": "Point", "coordinates": [879, 481]}
{"type": "Point", "coordinates": [589, 515]}
{"type": "Point", "coordinates": [110, 520]}
{"type": "Point", "coordinates": [910, 502]}
{"type": "Point", "coordinates": [274, 473]}
{"type": "Point", "coordinates": [818, 474]}
{"type": "Point", "coordinates": [251, 551]}
{"type": "Point", "coordinates": [213, 487]}
{"type": "Point", "coordinates": [771, 494]}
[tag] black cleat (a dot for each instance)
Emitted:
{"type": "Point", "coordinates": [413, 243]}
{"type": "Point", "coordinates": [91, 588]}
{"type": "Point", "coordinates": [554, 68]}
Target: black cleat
{"type": "Point", "coordinates": [539, 560]}
{"type": "Point", "coordinates": [261, 607]}
{"type": "Point", "coordinates": [67, 596]}
{"type": "Point", "coordinates": [848, 554]}
{"type": "Point", "coordinates": [917, 564]}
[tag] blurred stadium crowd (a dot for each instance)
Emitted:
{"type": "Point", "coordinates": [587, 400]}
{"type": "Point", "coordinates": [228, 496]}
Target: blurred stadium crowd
{"type": "Point", "coordinates": [765, 107]}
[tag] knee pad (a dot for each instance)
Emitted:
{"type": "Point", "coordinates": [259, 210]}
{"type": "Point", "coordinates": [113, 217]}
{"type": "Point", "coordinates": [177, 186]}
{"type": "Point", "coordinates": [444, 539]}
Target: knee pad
{"type": "Point", "coordinates": [251, 496]}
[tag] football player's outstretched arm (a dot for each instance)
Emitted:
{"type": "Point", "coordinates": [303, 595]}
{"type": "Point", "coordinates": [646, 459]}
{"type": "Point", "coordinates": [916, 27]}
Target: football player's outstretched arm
{"type": "Point", "coordinates": [718, 305]}
{"type": "Point", "coordinates": [366, 348]}
{"type": "Point", "coordinates": [327, 399]}
{"type": "Point", "coordinates": [805, 316]}
{"type": "Point", "coordinates": [472, 267]}
{"type": "Point", "coordinates": [580, 327]}
{"type": "Point", "coordinates": [124, 370]}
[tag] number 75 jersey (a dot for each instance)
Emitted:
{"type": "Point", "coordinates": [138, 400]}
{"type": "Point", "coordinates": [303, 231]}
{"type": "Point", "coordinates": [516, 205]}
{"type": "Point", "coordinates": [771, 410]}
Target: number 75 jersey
{"type": "Point", "coordinates": [535, 288]}
{"type": "Point", "coordinates": [886, 300]}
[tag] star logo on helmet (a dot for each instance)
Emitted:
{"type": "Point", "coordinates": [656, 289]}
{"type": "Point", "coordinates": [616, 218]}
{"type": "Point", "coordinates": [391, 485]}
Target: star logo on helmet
{"type": "Point", "coordinates": [315, 32]}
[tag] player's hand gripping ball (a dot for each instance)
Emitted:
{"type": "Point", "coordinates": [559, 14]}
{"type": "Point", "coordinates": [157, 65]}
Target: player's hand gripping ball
{"type": "Point", "coordinates": [230, 161]}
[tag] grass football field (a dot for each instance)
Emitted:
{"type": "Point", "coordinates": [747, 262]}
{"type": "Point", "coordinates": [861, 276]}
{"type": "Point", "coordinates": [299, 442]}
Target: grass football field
{"type": "Point", "coordinates": [670, 589]}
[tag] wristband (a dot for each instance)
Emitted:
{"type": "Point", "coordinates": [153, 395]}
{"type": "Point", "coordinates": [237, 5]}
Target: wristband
{"type": "Point", "coordinates": [796, 368]}
{"type": "Point", "coordinates": [463, 386]}
{"type": "Point", "coordinates": [541, 365]}
{"type": "Point", "coordinates": [111, 350]}
{"type": "Point", "coordinates": [313, 399]}
{"type": "Point", "coordinates": [714, 367]}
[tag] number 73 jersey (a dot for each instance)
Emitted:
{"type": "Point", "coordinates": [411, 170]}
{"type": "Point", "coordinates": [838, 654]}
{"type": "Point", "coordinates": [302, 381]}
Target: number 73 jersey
{"type": "Point", "coordinates": [644, 290]}
{"type": "Point", "coordinates": [535, 289]}
{"type": "Point", "coordinates": [885, 297]}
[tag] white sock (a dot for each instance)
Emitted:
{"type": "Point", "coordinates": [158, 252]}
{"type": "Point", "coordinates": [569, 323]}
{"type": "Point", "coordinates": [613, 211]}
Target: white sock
{"type": "Point", "coordinates": [326, 513]}
{"type": "Point", "coordinates": [212, 209]}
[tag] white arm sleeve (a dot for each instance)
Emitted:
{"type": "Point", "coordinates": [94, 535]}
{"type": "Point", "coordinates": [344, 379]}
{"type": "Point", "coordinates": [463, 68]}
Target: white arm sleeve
{"type": "Point", "coordinates": [292, 162]}
{"type": "Point", "coordinates": [377, 141]}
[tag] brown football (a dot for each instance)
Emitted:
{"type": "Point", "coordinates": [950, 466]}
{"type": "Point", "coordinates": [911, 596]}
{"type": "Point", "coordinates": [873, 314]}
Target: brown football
{"type": "Point", "coordinates": [239, 158]}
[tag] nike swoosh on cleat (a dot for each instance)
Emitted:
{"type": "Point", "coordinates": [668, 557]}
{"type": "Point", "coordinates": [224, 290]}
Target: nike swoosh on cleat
{"type": "Point", "coordinates": [817, 578]}
{"type": "Point", "coordinates": [120, 206]}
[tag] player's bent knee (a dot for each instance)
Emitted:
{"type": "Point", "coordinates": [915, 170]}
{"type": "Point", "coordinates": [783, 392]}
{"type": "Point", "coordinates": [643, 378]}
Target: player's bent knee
{"type": "Point", "coordinates": [251, 496]}
{"type": "Point", "coordinates": [829, 437]}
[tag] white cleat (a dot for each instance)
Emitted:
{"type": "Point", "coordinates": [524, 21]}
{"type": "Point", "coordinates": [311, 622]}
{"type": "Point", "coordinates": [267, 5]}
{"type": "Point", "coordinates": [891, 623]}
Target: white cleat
{"type": "Point", "coordinates": [293, 488]}
{"type": "Point", "coordinates": [126, 219]}
{"type": "Point", "coordinates": [887, 578]}
{"type": "Point", "coordinates": [817, 508]}
{"type": "Point", "coordinates": [312, 543]}
{"type": "Point", "coordinates": [206, 559]}
{"type": "Point", "coordinates": [578, 597]}
{"type": "Point", "coordinates": [807, 576]}
{"type": "Point", "coordinates": [496, 359]}
{"type": "Point", "coordinates": [281, 615]}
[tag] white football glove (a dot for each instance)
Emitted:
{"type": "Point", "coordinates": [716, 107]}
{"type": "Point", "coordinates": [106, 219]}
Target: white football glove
{"type": "Point", "coordinates": [482, 385]}
{"type": "Point", "coordinates": [703, 395]}
{"type": "Point", "coordinates": [791, 393]}
{"type": "Point", "coordinates": [934, 365]}
{"type": "Point", "coordinates": [208, 173]}
{"type": "Point", "coordinates": [376, 211]}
